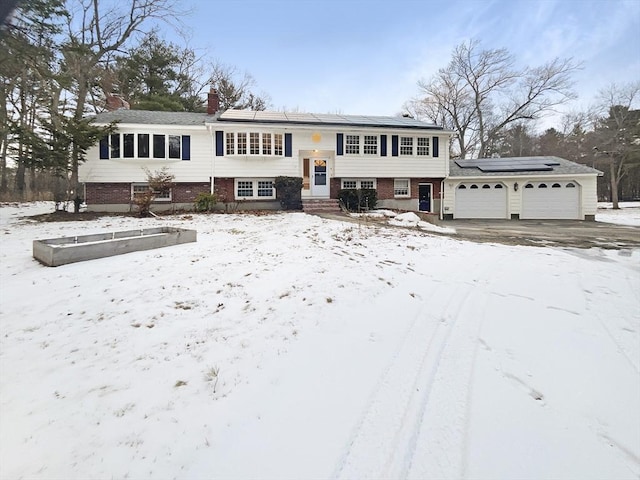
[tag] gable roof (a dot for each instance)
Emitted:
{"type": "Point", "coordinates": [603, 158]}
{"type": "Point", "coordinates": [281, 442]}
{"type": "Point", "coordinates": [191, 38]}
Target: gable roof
{"type": "Point", "coordinates": [517, 166]}
{"type": "Point", "coordinates": [148, 117]}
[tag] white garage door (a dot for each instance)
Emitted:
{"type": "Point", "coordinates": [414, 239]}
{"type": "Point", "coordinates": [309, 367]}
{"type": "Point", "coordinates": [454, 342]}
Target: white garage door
{"type": "Point", "coordinates": [551, 200]}
{"type": "Point", "coordinates": [481, 200]}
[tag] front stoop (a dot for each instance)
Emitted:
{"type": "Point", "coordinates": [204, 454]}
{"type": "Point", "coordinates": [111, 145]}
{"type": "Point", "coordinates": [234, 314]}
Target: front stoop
{"type": "Point", "coordinates": [315, 205]}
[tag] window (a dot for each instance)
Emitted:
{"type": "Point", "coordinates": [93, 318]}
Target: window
{"type": "Point", "coordinates": [528, 185]}
{"type": "Point", "coordinates": [115, 145]}
{"type": "Point", "coordinates": [174, 146]}
{"type": "Point", "coordinates": [142, 188]}
{"type": "Point", "coordinates": [158, 146]}
{"type": "Point", "coordinates": [231, 143]}
{"type": "Point", "coordinates": [352, 144]}
{"type": "Point", "coordinates": [570, 185]}
{"type": "Point", "coordinates": [462, 187]}
{"type": "Point", "coordinates": [254, 143]}
{"type": "Point", "coordinates": [422, 148]}
{"type": "Point", "coordinates": [132, 146]}
{"type": "Point", "coordinates": [265, 188]}
{"type": "Point", "coordinates": [370, 145]}
{"type": "Point", "coordinates": [486, 186]}
{"type": "Point", "coordinates": [355, 183]}
{"type": "Point", "coordinates": [498, 185]}
{"type": "Point", "coordinates": [556, 185]}
{"type": "Point", "coordinates": [406, 145]}
{"type": "Point", "coordinates": [277, 144]}
{"type": "Point", "coordinates": [542, 185]}
{"type": "Point", "coordinates": [259, 188]}
{"type": "Point", "coordinates": [245, 188]}
{"type": "Point", "coordinates": [242, 143]}
{"type": "Point", "coordinates": [143, 145]}
{"type": "Point", "coordinates": [128, 145]}
{"type": "Point", "coordinates": [401, 187]}
{"type": "Point", "coordinates": [474, 186]}
{"type": "Point", "coordinates": [266, 144]}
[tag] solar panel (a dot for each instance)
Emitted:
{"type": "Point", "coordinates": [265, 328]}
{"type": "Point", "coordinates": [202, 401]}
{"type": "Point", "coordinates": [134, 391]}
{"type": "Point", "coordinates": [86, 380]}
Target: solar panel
{"type": "Point", "coordinates": [510, 164]}
{"type": "Point", "coordinates": [328, 119]}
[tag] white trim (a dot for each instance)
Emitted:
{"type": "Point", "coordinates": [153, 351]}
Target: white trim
{"type": "Point", "coordinates": [255, 188]}
{"type": "Point", "coordinates": [155, 198]}
{"type": "Point", "coordinates": [358, 182]}
{"type": "Point", "coordinates": [408, 194]}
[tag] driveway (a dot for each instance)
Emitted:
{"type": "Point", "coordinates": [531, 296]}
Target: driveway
{"type": "Point", "coordinates": [568, 233]}
{"type": "Point", "coordinates": [564, 233]}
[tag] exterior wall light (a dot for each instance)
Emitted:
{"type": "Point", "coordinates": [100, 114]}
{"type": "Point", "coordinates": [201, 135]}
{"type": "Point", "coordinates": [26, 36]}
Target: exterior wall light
{"type": "Point", "coordinates": [515, 187]}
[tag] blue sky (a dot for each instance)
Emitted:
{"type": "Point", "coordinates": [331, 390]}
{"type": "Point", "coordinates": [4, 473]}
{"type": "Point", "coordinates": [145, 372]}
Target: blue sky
{"type": "Point", "coordinates": [366, 57]}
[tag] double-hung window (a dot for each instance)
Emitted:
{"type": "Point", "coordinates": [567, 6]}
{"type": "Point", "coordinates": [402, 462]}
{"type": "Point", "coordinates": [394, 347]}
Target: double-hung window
{"type": "Point", "coordinates": [370, 145]}
{"type": "Point", "coordinates": [256, 188]}
{"type": "Point", "coordinates": [138, 189]}
{"type": "Point", "coordinates": [355, 183]}
{"type": "Point", "coordinates": [423, 144]}
{"type": "Point", "coordinates": [352, 144]}
{"type": "Point", "coordinates": [266, 144]}
{"type": "Point", "coordinates": [401, 187]}
{"type": "Point", "coordinates": [406, 145]}
{"type": "Point", "coordinates": [231, 143]}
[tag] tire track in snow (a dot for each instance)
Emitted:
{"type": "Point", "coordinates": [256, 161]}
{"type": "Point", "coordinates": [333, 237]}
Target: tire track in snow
{"type": "Point", "coordinates": [383, 442]}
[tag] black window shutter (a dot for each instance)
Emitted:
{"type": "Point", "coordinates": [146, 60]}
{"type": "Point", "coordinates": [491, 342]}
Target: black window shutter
{"type": "Point", "coordinates": [219, 143]}
{"type": "Point", "coordinates": [435, 146]}
{"type": "Point", "coordinates": [339, 144]}
{"type": "Point", "coordinates": [394, 145]}
{"type": "Point", "coordinates": [383, 145]}
{"type": "Point", "coordinates": [287, 145]}
{"type": "Point", "coordinates": [104, 148]}
{"type": "Point", "coordinates": [186, 147]}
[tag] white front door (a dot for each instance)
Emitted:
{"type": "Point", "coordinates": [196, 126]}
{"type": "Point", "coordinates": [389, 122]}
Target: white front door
{"type": "Point", "coordinates": [319, 177]}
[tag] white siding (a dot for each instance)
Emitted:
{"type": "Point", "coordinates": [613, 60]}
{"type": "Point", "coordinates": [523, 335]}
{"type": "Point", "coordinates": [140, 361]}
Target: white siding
{"type": "Point", "coordinates": [390, 167]}
{"type": "Point", "coordinates": [255, 166]}
{"type": "Point", "coordinates": [198, 169]}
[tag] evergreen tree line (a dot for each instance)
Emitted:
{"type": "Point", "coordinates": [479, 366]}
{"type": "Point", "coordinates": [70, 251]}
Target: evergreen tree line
{"type": "Point", "coordinates": [61, 61]}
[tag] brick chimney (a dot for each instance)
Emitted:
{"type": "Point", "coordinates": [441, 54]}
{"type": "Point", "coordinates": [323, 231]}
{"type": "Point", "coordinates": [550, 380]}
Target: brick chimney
{"type": "Point", "coordinates": [213, 102]}
{"type": "Point", "coordinates": [116, 102]}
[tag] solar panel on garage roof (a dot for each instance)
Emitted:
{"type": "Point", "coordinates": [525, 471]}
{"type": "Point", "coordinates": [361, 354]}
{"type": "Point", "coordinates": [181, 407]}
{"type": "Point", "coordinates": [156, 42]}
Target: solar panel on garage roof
{"type": "Point", "coordinates": [509, 164]}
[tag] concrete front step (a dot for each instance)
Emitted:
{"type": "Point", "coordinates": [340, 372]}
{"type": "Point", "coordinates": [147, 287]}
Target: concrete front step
{"type": "Point", "coordinates": [321, 205]}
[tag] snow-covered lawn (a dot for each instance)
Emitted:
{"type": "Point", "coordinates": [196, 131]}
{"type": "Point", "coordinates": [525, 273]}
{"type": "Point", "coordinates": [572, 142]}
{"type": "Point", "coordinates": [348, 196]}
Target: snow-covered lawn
{"type": "Point", "coordinates": [292, 347]}
{"type": "Point", "coordinates": [628, 214]}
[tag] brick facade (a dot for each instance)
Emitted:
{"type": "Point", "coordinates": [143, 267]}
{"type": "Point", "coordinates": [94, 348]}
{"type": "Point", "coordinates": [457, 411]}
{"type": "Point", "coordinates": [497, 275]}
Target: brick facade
{"type": "Point", "coordinates": [120, 193]}
{"type": "Point", "coordinates": [384, 186]}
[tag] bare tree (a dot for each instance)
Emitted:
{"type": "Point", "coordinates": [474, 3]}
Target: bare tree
{"type": "Point", "coordinates": [235, 89]}
{"type": "Point", "coordinates": [98, 29]}
{"type": "Point", "coordinates": [481, 92]}
{"type": "Point", "coordinates": [617, 133]}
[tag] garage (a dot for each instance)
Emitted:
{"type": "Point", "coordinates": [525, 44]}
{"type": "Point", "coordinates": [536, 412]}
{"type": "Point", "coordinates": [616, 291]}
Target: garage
{"type": "Point", "coordinates": [551, 200]}
{"type": "Point", "coordinates": [481, 200]}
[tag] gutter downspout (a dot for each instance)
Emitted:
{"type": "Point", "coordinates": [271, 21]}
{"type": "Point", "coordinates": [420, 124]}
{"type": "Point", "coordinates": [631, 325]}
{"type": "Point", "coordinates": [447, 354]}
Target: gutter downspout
{"type": "Point", "coordinates": [441, 199]}
{"type": "Point", "coordinates": [213, 155]}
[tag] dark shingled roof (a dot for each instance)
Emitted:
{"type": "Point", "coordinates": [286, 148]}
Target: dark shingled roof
{"type": "Point", "coordinates": [149, 117]}
{"type": "Point", "coordinates": [517, 166]}
{"type": "Point", "coordinates": [259, 117]}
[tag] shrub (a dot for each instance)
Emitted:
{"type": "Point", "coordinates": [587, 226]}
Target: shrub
{"type": "Point", "coordinates": [205, 202]}
{"type": "Point", "coordinates": [289, 192]}
{"type": "Point", "coordinates": [357, 200]}
{"type": "Point", "coordinates": [159, 181]}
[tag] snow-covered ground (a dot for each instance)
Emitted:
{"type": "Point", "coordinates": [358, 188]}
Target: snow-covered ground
{"type": "Point", "coordinates": [628, 214]}
{"type": "Point", "coordinates": [292, 347]}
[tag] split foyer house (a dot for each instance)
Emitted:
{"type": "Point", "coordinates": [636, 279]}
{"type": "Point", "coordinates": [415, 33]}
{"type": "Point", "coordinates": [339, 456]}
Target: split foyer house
{"type": "Point", "coordinates": [239, 153]}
